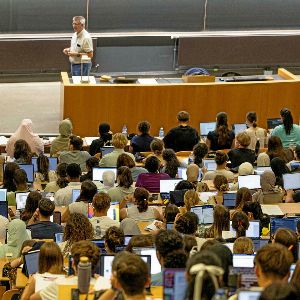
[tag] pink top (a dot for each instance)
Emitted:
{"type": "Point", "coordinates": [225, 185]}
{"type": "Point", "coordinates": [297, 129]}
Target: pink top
{"type": "Point", "coordinates": [25, 132]}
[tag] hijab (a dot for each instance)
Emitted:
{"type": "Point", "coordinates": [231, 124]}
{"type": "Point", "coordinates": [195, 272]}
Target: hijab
{"type": "Point", "coordinates": [16, 235]}
{"type": "Point", "coordinates": [192, 173]}
{"type": "Point", "coordinates": [263, 160]}
{"type": "Point", "coordinates": [25, 132]}
{"type": "Point", "coordinates": [245, 169]}
{"type": "Point", "coordinates": [268, 181]}
{"type": "Point", "coordinates": [61, 143]}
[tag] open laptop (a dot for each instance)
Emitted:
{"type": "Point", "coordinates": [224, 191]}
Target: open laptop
{"type": "Point", "coordinates": [210, 164]}
{"type": "Point", "coordinates": [21, 198]}
{"type": "Point", "coordinates": [249, 181]}
{"type": "Point", "coordinates": [167, 185]}
{"type": "Point", "coordinates": [276, 223]}
{"type": "Point", "coordinates": [273, 122]}
{"type": "Point", "coordinates": [4, 209]}
{"type": "Point", "coordinates": [238, 128]}
{"type": "Point", "coordinates": [291, 181]}
{"type": "Point", "coordinates": [107, 149]}
{"type": "Point", "coordinates": [75, 194]}
{"type": "Point", "coordinates": [98, 173]}
{"type": "Point", "coordinates": [113, 212]}
{"type": "Point", "coordinates": [253, 231]}
{"type": "Point", "coordinates": [229, 199]}
{"type": "Point", "coordinates": [174, 284]}
{"type": "Point", "coordinates": [206, 127]}
{"type": "Point", "coordinates": [243, 260]}
{"type": "Point", "coordinates": [52, 163]}
{"type": "Point", "coordinates": [28, 168]}
{"type": "Point", "coordinates": [149, 251]}
{"type": "Point", "coordinates": [248, 295]}
{"type": "Point", "coordinates": [205, 213]}
{"type": "Point", "coordinates": [3, 195]}
{"type": "Point", "coordinates": [31, 262]}
{"type": "Point", "coordinates": [259, 243]}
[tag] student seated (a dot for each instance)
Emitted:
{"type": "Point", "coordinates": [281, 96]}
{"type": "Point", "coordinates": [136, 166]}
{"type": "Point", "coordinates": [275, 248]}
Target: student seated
{"type": "Point", "coordinates": [221, 184]}
{"type": "Point", "coordinates": [243, 245]}
{"type": "Point", "coordinates": [240, 223]}
{"type": "Point", "coordinates": [8, 176]}
{"type": "Point", "coordinates": [168, 216]}
{"type": "Point", "coordinates": [279, 168]}
{"type": "Point", "coordinates": [20, 180]}
{"type": "Point", "coordinates": [22, 152]}
{"type": "Point", "coordinates": [141, 240]}
{"type": "Point", "coordinates": [243, 195]}
{"type": "Point", "coordinates": [75, 153]}
{"type": "Point", "coordinates": [79, 249]}
{"type": "Point", "coordinates": [109, 179]}
{"type": "Point", "coordinates": [43, 173]}
{"type": "Point", "coordinates": [40, 225]}
{"type": "Point", "coordinates": [119, 141]}
{"type": "Point", "coordinates": [32, 203]}
{"type": "Point", "coordinates": [296, 160]}
{"type": "Point", "coordinates": [141, 142]}
{"type": "Point", "coordinates": [200, 150]}
{"type": "Point", "coordinates": [91, 163]}
{"type": "Point", "coordinates": [171, 163]}
{"type": "Point", "coordinates": [114, 237]}
{"type": "Point", "coordinates": [61, 142]}
{"type": "Point", "coordinates": [61, 182]}
{"type": "Point", "coordinates": [100, 221]}
{"type": "Point", "coordinates": [157, 147]}
{"type": "Point", "coordinates": [191, 198]}
{"type": "Point", "coordinates": [104, 139]}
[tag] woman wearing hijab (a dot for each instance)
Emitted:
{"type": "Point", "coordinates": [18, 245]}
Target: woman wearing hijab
{"type": "Point", "coordinates": [25, 132]}
{"type": "Point", "coordinates": [16, 235]}
{"type": "Point", "coordinates": [61, 143]}
{"type": "Point", "coordinates": [279, 168]}
{"type": "Point", "coordinates": [269, 193]}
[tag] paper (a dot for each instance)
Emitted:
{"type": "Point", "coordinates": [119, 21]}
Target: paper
{"type": "Point", "coordinates": [3, 140]}
{"type": "Point", "coordinates": [271, 210]}
{"type": "Point", "coordinates": [89, 139]}
{"type": "Point", "coordinates": [147, 81]}
{"type": "Point", "coordinates": [77, 80]}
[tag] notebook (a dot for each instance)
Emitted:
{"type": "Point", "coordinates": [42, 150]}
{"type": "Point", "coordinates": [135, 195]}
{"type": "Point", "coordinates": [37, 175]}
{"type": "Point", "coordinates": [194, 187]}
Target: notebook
{"type": "Point", "coordinates": [98, 173]}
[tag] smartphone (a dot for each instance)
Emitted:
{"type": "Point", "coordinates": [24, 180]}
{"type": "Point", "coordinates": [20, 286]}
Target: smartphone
{"type": "Point", "coordinates": [57, 217]}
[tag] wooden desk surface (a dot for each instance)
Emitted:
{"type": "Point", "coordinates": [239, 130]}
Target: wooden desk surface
{"type": "Point", "coordinates": [290, 208]}
{"type": "Point", "coordinates": [21, 280]}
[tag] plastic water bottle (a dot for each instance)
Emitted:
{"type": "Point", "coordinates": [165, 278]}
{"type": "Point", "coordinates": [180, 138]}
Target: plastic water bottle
{"type": "Point", "coordinates": [161, 133]}
{"type": "Point", "coordinates": [84, 275]}
{"type": "Point", "coordinates": [220, 295]}
{"type": "Point", "coordinates": [124, 129]}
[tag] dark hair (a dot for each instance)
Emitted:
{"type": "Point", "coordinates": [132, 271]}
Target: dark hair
{"type": "Point", "coordinates": [200, 150]}
{"type": "Point", "coordinates": [289, 239]}
{"type": "Point", "coordinates": [170, 213]}
{"type": "Point", "coordinates": [92, 162]}
{"type": "Point", "coordinates": [221, 183]}
{"type": "Point", "coordinates": [8, 176]}
{"type": "Point", "coordinates": [114, 237]}
{"type": "Point", "coordinates": [73, 170]}
{"type": "Point", "coordinates": [243, 195]}
{"type": "Point", "coordinates": [187, 223]}
{"type": "Point", "coordinates": [167, 241]}
{"type": "Point", "coordinates": [51, 259]}
{"type": "Point", "coordinates": [132, 273]}
{"type": "Point", "coordinates": [176, 259]}
{"type": "Point", "coordinates": [144, 127]}
{"type": "Point", "coordinates": [157, 146]}
{"type": "Point", "coordinates": [172, 162]}
{"type": "Point", "coordinates": [279, 168]}
{"type": "Point", "coordinates": [252, 118]}
{"type": "Point", "coordinates": [20, 177]}
{"type": "Point", "coordinates": [152, 164]}
{"type": "Point", "coordinates": [295, 280]}
{"type": "Point", "coordinates": [287, 120]}
{"type": "Point", "coordinates": [125, 160]}
{"type": "Point", "coordinates": [254, 207]}
{"type": "Point", "coordinates": [184, 185]}
{"type": "Point", "coordinates": [183, 116]}
{"type": "Point", "coordinates": [274, 260]}
{"type": "Point", "coordinates": [210, 259]}
{"type": "Point", "coordinates": [275, 148]}
{"type": "Point", "coordinates": [141, 240]}
{"type": "Point", "coordinates": [240, 223]}
{"type": "Point", "coordinates": [61, 171]}
{"type": "Point", "coordinates": [222, 130]}
{"type": "Point", "coordinates": [32, 203]}
{"type": "Point", "coordinates": [188, 243]}
{"type": "Point", "coordinates": [141, 196]}
{"type": "Point", "coordinates": [76, 142]}
{"type": "Point", "coordinates": [43, 166]}
{"type": "Point", "coordinates": [46, 207]}
{"type": "Point", "coordinates": [87, 191]}
{"type": "Point", "coordinates": [22, 151]}
{"type": "Point", "coordinates": [125, 177]}
{"type": "Point", "coordinates": [104, 133]}
{"type": "Point", "coordinates": [221, 158]}
{"type": "Point", "coordinates": [101, 201]}
{"type": "Point", "coordinates": [279, 291]}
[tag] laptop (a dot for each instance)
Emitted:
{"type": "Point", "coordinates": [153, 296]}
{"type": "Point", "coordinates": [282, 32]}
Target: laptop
{"type": "Point", "coordinates": [259, 243]}
{"type": "Point", "coordinates": [249, 181]}
{"type": "Point", "coordinates": [248, 295]}
{"type": "Point", "coordinates": [206, 127]}
{"type": "Point", "coordinates": [106, 150]}
{"type": "Point", "coordinates": [291, 181]}
{"type": "Point", "coordinates": [52, 163]}
{"type": "Point", "coordinates": [4, 209]}
{"type": "Point", "coordinates": [127, 239]}
{"type": "Point", "coordinates": [174, 284]}
{"type": "Point", "coordinates": [28, 168]}
{"type": "Point", "coordinates": [31, 262]}
{"type": "Point", "coordinates": [205, 213]}
{"type": "Point", "coordinates": [273, 122]}
{"type": "Point", "coordinates": [148, 251]}
{"type": "Point", "coordinates": [210, 164]}
{"type": "Point", "coordinates": [182, 173]}
{"type": "Point", "coordinates": [167, 185]}
{"type": "Point", "coordinates": [21, 199]}
{"type": "Point", "coordinates": [253, 231]}
{"type": "Point", "coordinates": [3, 195]}
{"type": "Point", "coordinates": [276, 223]}
{"type": "Point", "coordinates": [75, 194]}
{"type": "Point", "coordinates": [238, 128]}
{"type": "Point", "coordinates": [243, 260]}
{"type": "Point", "coordinates": [98, 173]}
{"type": "Point", "coordinates": [229, 199]}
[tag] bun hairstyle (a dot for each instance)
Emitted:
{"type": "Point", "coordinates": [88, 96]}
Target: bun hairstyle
{"type": "Point", "coordinates": [252, 118]}
{"type": "Point", "coordinates": [221, 158]}
{"type": "Point", "coordinates": [141, 196]}
{"type": "Point", "coordinates": [221, 183]}
{"type": "Point", "coordinates": [240, 223]}
{"type": "Point", "coordinates": [114, 237]}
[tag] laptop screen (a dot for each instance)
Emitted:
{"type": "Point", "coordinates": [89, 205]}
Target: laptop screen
{"type": "Point", "coordinates": [239, 127]}
{"type": "Point", "coordinates": [21, 199]}
{"type": "Point", "coordinates": [106, 150]}
{"type": "Point", "coordinates": [205, 128]}
{"type": "Point", "coordinates": [291, 181]}
{"type": "Point", "coordinates": [174, 283]}
{"type": "Point", "coordinates": [29, 171]}
{"type": "Point", "coordinates": [276, 223]}
{"type": "Point", "coordinates": [205, 213]}
{"type": "Point", "coordinates": [249, 181]}
{"type": "Point", "coordinates": [32, 262]}
{"type": "Point", "coordinates": [253, 231]}
{"type": "Point", "coordinates": [273, 122]}
{"type": "Point", "coordinates": [4, 209]}
{"type": "Point", "coordinates": [249, 295]}
{"type": "Point", "coordinates": [98, 173]}
{"type": "Point", "coordinates": [182, 173]}
{"type": "Point", "coordinates": [75, 194]}
{"type": "Point", "coordinates": [229, 199]}
{"type": "Point", "coordinates": [210, 164]}
{"type": "Point", "coordinates": [167, 185]}
{"type": "Point", "coordinates": [127, 239]}
{"type": "Point", "coordinates": [52, 163]}
{"type": "Point", "coordinates": [259, 243]}
{"type": "Point", "coordinates": [3, 194]}
{"type": "Point", "coordinates": [243, 260]}
{"type": "Point", "coordinates": [143, 251]}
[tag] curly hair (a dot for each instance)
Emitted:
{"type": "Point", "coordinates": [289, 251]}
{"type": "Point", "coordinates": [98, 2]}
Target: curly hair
{"type": "Point", "coordinates": [187, 223]}
{"type": "Point", "coordinates": [200, 150]}
{"type": "Point", "coordinates": [114, 237]}
{"type": "Point", "coordinates": [172, 162]}
{"type": "Point", "coordinates": [144, 127]}
{"type": "Point", "coordinates": [221, 183]}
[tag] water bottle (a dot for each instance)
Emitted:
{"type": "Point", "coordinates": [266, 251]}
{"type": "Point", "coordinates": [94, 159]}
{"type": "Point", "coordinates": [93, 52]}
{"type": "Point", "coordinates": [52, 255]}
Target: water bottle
{"type": "Point", "coordinates": [84, 275]}
{"type": "Point", "coordinates": [161, 133]}
{"type": "Point", "coordinates": [191, 159]}
{"type": "Point", "coordinates": [220, 294]}
{"type": "Point", "coordinates": [124, 130]}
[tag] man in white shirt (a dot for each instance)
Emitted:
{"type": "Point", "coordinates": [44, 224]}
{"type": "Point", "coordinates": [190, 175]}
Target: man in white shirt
{"type": "Point", "coordinates": [81, 44]}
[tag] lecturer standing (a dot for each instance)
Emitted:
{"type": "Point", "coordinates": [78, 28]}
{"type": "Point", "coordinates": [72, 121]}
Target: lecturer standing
{"type": "Point", "coordinates": [81, 44]}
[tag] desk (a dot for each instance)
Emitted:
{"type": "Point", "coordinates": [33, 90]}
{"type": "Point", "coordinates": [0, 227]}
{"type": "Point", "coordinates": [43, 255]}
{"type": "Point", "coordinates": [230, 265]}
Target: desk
{"type": "Point", "coordinates": [21, 279]}
{"type": "Point", "coordinates": [290, 208]}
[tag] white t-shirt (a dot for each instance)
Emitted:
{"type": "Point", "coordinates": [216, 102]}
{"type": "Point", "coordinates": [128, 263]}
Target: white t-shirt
{"type": "Point", "coordinates": [101, 224]}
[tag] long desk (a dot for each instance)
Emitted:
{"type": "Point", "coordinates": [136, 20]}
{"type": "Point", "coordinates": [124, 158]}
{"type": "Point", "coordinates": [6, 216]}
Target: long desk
{"type": "Point", "coordinates": [89, 104]}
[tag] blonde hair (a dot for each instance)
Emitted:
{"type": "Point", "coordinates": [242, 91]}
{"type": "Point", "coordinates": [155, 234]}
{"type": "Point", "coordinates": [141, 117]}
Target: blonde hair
{"type": "Point", "coordinates": [243, 245]}
{"type": "Point", "coordinates": [119, 140]}
{"type": "Point", "coordinates": [243, 139]}
{"type": "Point", "coordinates": [191, 198]}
